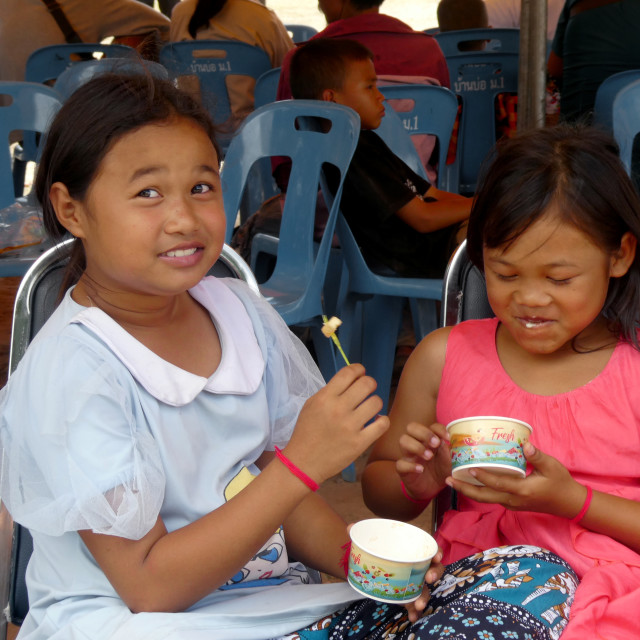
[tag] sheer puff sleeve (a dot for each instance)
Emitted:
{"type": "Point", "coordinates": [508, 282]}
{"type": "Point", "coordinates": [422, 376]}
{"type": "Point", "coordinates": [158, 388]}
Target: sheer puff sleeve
{"type": "Point", "coordinates": [291, 375]}
{"type": "Point", "coordinates": [76, 453]}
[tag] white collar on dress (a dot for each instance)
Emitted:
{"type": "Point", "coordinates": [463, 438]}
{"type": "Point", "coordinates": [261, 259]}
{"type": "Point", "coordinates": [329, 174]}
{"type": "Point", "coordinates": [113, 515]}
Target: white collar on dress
{"type": "Point", "coordinates": [239, 372]}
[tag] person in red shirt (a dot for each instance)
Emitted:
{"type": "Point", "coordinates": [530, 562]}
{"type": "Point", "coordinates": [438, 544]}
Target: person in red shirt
{"type": "Point", "coordinates": [397, 49]}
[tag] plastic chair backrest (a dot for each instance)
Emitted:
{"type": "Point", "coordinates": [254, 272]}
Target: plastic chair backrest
{"type": "Point", "coordinates": [398, 139]}
{"type": "Point", "coordinates": [496, 40]}
{"type": "Point", "coordinates": [433, 112]}
{"type": "Point", "coordinates": [74, 76]}
{"type": "Point", "coordinates": [36, 300]}
{"type": "Point", "coordinates": [212, 61]}
{"type": "Point", "coordinates": [300, 32]}
{"type": "Point", "coordinates": [284, 129]}
{"type": "Point", "coordinates": [478, 78]}
{"type": "Point", "coordinates": [32, 108]}
{"type": "Point", "coordinates": [266, 87]}
{"type": "Point", "coordinates": [47, 63]}
{"type": "Point", "coordinates": [606, 94]}
{"type": "Point", "coordinates": [626, 121]}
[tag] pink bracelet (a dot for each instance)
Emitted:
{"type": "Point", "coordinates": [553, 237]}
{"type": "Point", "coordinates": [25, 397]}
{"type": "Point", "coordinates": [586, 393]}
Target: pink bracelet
{"type": "Point", "coordinates": [422, 503]}
{"type": "Point", "coordinates": [310, 482]}
{"type": "Point", "coordinates": [585, 506]}
{"type": "Point", "coordinates": [344, 562]}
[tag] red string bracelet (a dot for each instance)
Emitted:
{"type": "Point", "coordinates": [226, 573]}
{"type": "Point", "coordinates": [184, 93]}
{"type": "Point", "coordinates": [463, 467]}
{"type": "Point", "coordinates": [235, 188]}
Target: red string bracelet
{"type": "Point", "coordinates": [344, 563]}
{"type": "Point", "coordinates": [422, 503]}
{"type": "Point", "coordinates": [585, 506]}
{"type": "Point", "coordinates": [310, 482]}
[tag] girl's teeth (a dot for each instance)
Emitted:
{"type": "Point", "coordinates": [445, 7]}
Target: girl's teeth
{"type": "Point", "coordinates": [180, 253]}
{"type": "Point", "coordinates": [531, 325]}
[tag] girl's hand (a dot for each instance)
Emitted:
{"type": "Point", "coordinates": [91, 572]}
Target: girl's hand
{"type": "Point", "coordinates": [330, 432]}
{"type": "Point", "coordinates": [550, 488]}
{"type": "Point", "coordinates": [434, 573]}
{"type": "Point", "coordinates": [425, 461]}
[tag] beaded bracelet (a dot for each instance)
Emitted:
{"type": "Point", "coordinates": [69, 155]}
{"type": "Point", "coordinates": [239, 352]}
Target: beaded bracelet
{"type": "Point", "coordinates": [301, 475]}
{"type": "Point", "coordinates": [422, 503]}
{"type": "Point", "coordinates": [585, 506]}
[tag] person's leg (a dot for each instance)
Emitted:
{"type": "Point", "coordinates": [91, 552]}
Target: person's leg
{"type": "Point", "coordinates": [507, 592]}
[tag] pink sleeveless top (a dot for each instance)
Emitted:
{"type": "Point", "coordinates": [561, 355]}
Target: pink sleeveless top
{"type": "Point", "coordinates": [594, 431]}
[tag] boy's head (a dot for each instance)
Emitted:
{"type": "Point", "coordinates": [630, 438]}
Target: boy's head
{"type": "Point", "coordinates": [339, 71]}
{"type": "Point", "coordinates": [454, 15]}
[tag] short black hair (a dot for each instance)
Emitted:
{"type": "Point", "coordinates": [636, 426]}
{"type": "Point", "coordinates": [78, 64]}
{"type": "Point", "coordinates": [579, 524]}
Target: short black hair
{"type": "Point", "coordinates": [321, 64]}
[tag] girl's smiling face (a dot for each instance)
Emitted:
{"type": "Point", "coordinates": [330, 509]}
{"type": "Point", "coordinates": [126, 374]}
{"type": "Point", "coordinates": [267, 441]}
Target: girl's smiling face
{"type": "Point", "coordinates": [152, 221]}
{"type": "Point", "coordinates": [551, 283]}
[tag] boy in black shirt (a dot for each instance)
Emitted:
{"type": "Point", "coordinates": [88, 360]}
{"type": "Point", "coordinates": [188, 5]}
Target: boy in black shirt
{"type": "Point", "coordinates": [397, 217]}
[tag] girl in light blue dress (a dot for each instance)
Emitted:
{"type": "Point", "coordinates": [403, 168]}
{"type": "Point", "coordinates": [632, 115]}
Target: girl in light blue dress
{"type": "Point", "coordinates": [165, 432]}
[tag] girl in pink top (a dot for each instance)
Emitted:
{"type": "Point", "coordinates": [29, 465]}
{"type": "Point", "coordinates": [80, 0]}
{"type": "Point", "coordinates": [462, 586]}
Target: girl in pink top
{"type": "Point", "coordinates": [554, 228]}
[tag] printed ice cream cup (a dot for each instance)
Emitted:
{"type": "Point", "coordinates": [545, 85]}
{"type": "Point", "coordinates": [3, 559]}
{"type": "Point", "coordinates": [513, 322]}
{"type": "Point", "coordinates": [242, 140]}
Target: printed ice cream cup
{"type": "Point", "coordinates": [389, 559]}
{"type": "Point", "coordinates": [493, 443]}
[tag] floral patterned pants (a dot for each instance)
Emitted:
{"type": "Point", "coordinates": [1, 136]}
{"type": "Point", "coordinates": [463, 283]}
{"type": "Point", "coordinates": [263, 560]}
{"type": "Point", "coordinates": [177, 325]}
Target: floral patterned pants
{"type": "Point", "coordinates": [515, 592]}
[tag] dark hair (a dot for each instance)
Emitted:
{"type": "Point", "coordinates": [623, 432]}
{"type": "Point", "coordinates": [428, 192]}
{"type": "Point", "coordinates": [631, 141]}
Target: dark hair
{"type": "Point", "coordinates": [363, 5]}
{"type": "Point", "coordinates": [578, 169]}
{"type": "Point", "coordinates": [89, 123]}
{"type": "Point", "coordinates": [204, 11]}
{"type": "Point", "coordinates": [321, 64]}
{"type": "Point", "coordinates": [456, 15]}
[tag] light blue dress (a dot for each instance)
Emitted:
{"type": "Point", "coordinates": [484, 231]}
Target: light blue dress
{"type": "Point", "coordinates": [100, 433]}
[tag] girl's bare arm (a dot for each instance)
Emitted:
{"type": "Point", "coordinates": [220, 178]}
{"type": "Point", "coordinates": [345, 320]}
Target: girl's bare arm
{"type": "Point", "coordinates": [409, 444]}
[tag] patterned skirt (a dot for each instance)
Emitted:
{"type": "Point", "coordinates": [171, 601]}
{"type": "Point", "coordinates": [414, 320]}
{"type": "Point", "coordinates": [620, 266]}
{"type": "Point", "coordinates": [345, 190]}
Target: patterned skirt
{"type": "Point", "coordinates": [514, 592]}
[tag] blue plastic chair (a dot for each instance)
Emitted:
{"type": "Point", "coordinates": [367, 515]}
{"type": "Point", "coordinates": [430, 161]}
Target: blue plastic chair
{"type": "Point", "coordinates": [212, 61]}
{"type": "Point", "coordinates": [497, 40]}
{"type": "Point", "coordinates": [477, 78]}
{"type": "Point", "coordinates": [76, 75]}
{"type": "Point", "coordinates": [286, 128]}
{"type": "Point", "coordinates": [606, 94]}
{"type": "Point", "coordinates": [300, 32]}
{"type": "Point", "coordinates": [32, 108]}
{"type": "Point", "coordinates": [433, 112]}
{"type": "Point", "coordinates": [47, 63]}
{"type": "Point", "coordinates": [626, 122]}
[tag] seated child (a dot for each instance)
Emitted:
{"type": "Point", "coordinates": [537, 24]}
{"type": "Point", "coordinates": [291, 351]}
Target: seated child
{"type": "Point", "coordinates": [398, 218]}
{"type": "Point", "coordinates": [164, 434]}
{"type": "Point", "coordinates": [559, 254]}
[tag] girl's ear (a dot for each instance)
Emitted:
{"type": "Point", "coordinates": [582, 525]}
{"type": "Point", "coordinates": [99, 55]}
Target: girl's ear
{"type": "Point", "coordinates": [623, 258]}
{"type": "Point", "coordinates": [68, 210]}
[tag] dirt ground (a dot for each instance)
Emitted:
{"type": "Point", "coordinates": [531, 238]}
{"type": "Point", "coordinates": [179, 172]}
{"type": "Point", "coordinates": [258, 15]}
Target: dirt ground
{"type": "Point", "coordinates": [345, 497]}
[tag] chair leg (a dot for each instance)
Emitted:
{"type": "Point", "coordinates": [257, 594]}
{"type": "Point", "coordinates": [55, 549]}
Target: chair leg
{"type": "Point", "coordinates": [382, 320]}
{"type": "Point", "coordinates": [425, 316]}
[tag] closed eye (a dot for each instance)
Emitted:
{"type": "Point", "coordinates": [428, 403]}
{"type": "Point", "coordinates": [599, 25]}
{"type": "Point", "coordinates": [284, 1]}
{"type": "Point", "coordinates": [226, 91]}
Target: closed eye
{"type": "Point", "coordinates": [506, 278]}
{"type": "Point", "coordinates": [560, 280]}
